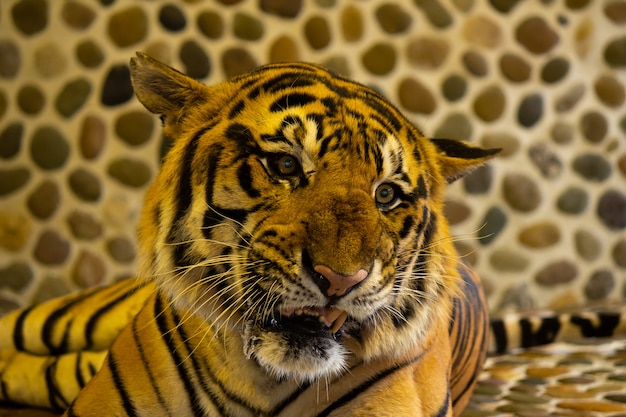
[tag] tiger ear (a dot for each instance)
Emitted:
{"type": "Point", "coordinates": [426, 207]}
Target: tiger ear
{"type": "Point", "coordinates": [458, 158]}
{"type": "Point", "coordinates": [164, 90]}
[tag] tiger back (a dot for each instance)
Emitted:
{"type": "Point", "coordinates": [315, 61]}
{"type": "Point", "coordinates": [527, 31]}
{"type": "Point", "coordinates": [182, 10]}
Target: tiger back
{"type": "Point", "coordinates": [296, 258]}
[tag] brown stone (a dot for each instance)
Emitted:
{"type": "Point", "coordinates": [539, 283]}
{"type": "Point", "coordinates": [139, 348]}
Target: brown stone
{"type": "Point", "coordinates": [507, 260]}
{"type": "Point", "coordinates": [611, 209]}
{"type": "Point", "coordinates": [284, 49]}
{"type": "Point", "coordinates": [49, 149]}
{"type": "Point", "coordinates": [555, 70]}
{"type": "Point", "coordinates": [195, 59]}
{"type": "Point", "coordinates": [89, 270]}
{"type": "Point", "coordinates": [11, 140]}
{"type": "Point", "coordinates": [508, 143]}
{"type": "Point", "coordinates": [83, 225]}
{"type": "Point", "coordinates": [317, 32]}
{"type": "Point", "coordinates": [121, 249]}
{"type": "Point", "coordinates": [131, 172]}
{"type": "Point", "coordinates": [536, 35]}
{"type": "Point", "coordinates": [77, 15]}
{"type": "Point", "coordinates": [514, 67]}
{"type": "Point", "coordinates": [236, 61]}
{"type": "Point", "coordinates": [51, 248]}
{"type": "Point", "coordinates": [557, 273]}
{"type": "Point", "coordinates": [210, 24]}
{"type": "Point", "coordinates": [490, 103]}
{"type": "Point", "coordinates": [588, 245]}
{"type": "Point", "coordinates": [591, 406]}
{"type": "Point", "coordinates": [415, 97]}
{"type": "Point", "coordinates": [30, 99]}
{"type": "Point", "coordinates": [615, 10]}
{"type": "Point", "coordinates": [436, 14]}
{"type": "Point", "coordinates": [128, 26]}
{"type": "Point", "coordinates": [392, 18]}
{"type": "Point", "coordinates": [521, 192]}
{"type": "Point", "coordinates": [600, 285]}
{"type": "Point", "coordinates": [610, 91]}
{"type": "Point", "coordinates": [380, 58]}
{"type": "Point", "coordinates": [475, 63]}
{"type": "Point", "coordinates": [427, 52]}
{"type": "Point", "coordinates": [282, 8]}
{"type": "Point", "coordinates": [10, 59]}
{"type": "Point", "coordinates": [49, 288]}
{"type": "Point", "coordinates": [594, 126]}
{"type": "Point", "coordinates": [482, 31]}
{"type": "Point", "coordinates": [85, 185]}
{"type": "Point", "coordinates": [351, 23]}
{"type": "Point", "coordinates": [619, 253]}
{"type": "Point", "coordinates": [247, 27]}
{"type": "Point", "coordinates": [15, 230]}
{"type": "Point", "coordinates": [29, 16]}
{"type": "Point", "coordinates": [570, 98]}
{"type": "Point", "coordinates": [44, 200]}
{"type": "Point", "coordinates": [456, 211]}
{"type": "Point", "coordinates": [540, 235]}
{"type": "Point", "coordinates": [134, 127]}
{"type": "Point", "coordinates": [89, 54]}
{"type": "Point", "coordinates": [92, 137]}
{"type": "Point", "coordinates": [12, 179]}
{"type": "Point", "coordinates": [50, 60]}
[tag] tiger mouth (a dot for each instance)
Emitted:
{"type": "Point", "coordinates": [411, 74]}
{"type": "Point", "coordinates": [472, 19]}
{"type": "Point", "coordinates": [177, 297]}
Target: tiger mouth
{"type": "Point", "coordinates": [309, 320]}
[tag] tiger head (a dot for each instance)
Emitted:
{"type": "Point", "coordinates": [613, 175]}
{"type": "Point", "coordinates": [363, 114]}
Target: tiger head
{"type": "Point", "coordinates": [301, 211]}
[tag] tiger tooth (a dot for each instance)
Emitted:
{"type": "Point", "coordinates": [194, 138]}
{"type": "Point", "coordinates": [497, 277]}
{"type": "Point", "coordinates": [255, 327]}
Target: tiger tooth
{"type": "Point", "coordinates": [339, 321]}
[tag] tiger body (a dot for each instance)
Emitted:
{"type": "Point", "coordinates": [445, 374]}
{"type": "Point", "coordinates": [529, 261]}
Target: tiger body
{"type": "Point", "coordinates": [295, 261]}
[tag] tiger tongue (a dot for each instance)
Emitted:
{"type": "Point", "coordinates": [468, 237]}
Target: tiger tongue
{"type": "Point", "coordinates": [329, 316]}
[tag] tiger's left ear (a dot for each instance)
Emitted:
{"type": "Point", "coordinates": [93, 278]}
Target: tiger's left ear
{"type": "Point", "coordinates": [458, 158]}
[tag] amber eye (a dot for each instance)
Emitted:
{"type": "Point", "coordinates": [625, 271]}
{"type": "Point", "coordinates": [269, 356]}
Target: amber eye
{"type": "Point", "coordinates": [284, 165]}
{"type": "Point", "coordinates": [386, 194]}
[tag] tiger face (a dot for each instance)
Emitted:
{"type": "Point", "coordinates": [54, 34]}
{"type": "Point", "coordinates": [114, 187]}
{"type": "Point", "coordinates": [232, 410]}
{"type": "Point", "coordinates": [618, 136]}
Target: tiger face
{"type": "Point", "coordinates": [301, 212]}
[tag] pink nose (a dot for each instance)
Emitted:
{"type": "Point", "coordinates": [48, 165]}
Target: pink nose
{"type": "Point", "coordinates": [338, 285]}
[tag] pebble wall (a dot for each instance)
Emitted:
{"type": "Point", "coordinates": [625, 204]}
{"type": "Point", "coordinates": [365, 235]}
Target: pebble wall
{"type": "Point", "coordinates": [545, 224]}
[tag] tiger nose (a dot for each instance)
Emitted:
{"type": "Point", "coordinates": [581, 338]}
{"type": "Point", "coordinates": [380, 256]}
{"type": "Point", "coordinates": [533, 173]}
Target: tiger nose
{"type": "Point", "coordinates": [337, 285]}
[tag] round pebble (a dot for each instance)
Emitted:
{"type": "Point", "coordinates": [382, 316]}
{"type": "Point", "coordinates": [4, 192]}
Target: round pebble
{"type": "Point", "coordinates": [562, 133]}
{"type": "Point", "coordinates": [131, 172]}
{"type": "Point", "coordinates": [44, 200]}
{"type": "Point", "coordinates": [594, 126]}
{"type": "Point", "coordinates": [573, 200]}
{"type": "Point", "coordinates": [521, 192]}
{"type": "Point", "coordinates": [89, 54]}
{"type": "Point", "coordinates": [545, 160]}
{"type": "Point", "coordinates": [210, 24]}
{"type": "Point", "coordinates": [30, 99]}
{"type": "Point", "coordinates": [317, 32]}
{"type": "Point", "coordinates": [455, 126]}
{"type": "Point", "coordinates": [392, 18]}
{"type": "Point", "coordinates": [236, 61]}
{"type": "Point", "coordinates": [16, 276]}
{"type": "Point", "coordinates": [491, 225]}
{"type": "Point", "coordinates": [614, 53]}
{"type": "Point", "coordinates": [416, 97]}
{"type": "Point", "coordinates": [247, 27]}
{"type": "Point", "coordinates": [92, 137]}
{"type": "Point", "coordinates": [11, 140]}
{"type": "Point", "coordinates": [50, 60]}
{"type": "Point", "coordinates": [12, 179]}
{"type": "Point", "coordinates": [117, 88]}
{"type": "Point", "coordinates": [530, 110]}
{"type": "Point", "coordinates": [84, 226]}
{"type": "Point", "coordinates": [536, 35]}
{"type": "Point", "coordinates": [475, 63]}
{"type": "Point", "coordinates": [49, 149]}
{"type": "Point", "coordinates": [51, 248]}
{"type": "Point", "coordinates": [127, 26]}
{"type": "Point", "coordinates": [616, 11]}
{"type": "Point", "coordinates": [592, 167]}
{"type": "Point", "coordinates": [30, 16]}
{"type": "Point", "coordinates": [379, 59]}
{"type": "Point", "coordinates": [557, 273]}
{"type": "Point", "coordinates": [600, 285]}
{"type": "Point", "coordinates": [489, 104]}
{"type": "Point", "coordinates": [85, 185]}
{"type": "Point", "coordinates": [135, 127]}
{"type": "Point", "coordinates": [482, 31]}
{"type": "Point", "coordinates": [121, 249]}
{"type": "Point", "coordinates": [454, 88]}
{"type": "Point", "coordinates": [587, 245]}
{"type": "Point", "coordinates": [352, 23]}
{"type": "Point", "coordinates": [610, 91]}
{"type": "Point", "coordinates": [540, 235]}
{"type": "Point", "coordinates": [338, 64]}
{"type": "Point", "coordinates": [89, 270]}
{"type": "Point", "coordinates": [427, 52]}
{"type": "Point", "coordinates": [570, 98]}
{"type": "Point", "coordinates": [15, 228]}
{"type": "Point", "coordinates": [507, 260]}
{"type": "Point", "coordinates": [479, 181]}
{"type": "Point", "coordinates": [555, 70]}
{"type": "Point", "coordinates": [515, 68]}
{"type": "Point", "coordinates": [456, 211]}
{"type": "Point", "coordinates": [619, 253]}
{"type": "Point", "coordinates": [436, 14]}
{"type": "Point", "coordinates": [288, 9]}
{"type": "Point", "coordinates": [172, 18]}
{"type": "Point", "coordinates": [284, 49]}
{"type": "Point", "coordinates": [161, 51]}
{"type": "Point", "coordinates": [77, 15]}
{"type": "Point", "coordinates": [195, 60]}
{"type": "Point", "coordinates": [72, 97]}
{"type": "Point", "coordinates": [9, 59]}
{"type": "Point", "coordinates": [611, 209]}
{"type": "Point", "coordinates": [503, 140]}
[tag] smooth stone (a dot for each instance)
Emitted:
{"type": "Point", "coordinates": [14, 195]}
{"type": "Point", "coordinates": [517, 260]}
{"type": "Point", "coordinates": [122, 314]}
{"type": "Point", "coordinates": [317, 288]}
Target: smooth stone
{"type": "Point", "coordinates": [490, 103]}
{"type": "Point", "coordinates": [611, 209]}
{"type": "Point", "coordinates": [610, 90]}
{"type": "Point", "coordinates": [83, 225]}
{"type": "Point", "coordinates": [600, 285]}
{"type": "Point", "coordinates": [117, 88]}
{"type": "Point", "coordinates": [436, 14]}
{"type": "Point", "coordinates": [85, 185]}
{"type": "Point", "coordinates": [525, 398]}
{"type": "Point", "coordinates": [590, 406]}
{"type": "Point", "coordinates": [12, 179]}
{"type": "Point", "coordinates": [17, 276]}
{"type": "Point", "coordinates": [515, 68]}
{"type": "Point", "coordinates": [30, 99]}
{"type": "Point", "coordinates": [237, 61]}
{"type": "Point", "coordinates": [416, 97]}
{"type": "Point", "coordinates": [393, 19]}
{"type": "Point", "coordinates": [475, 63]}
{"type": "Point", "coordinates": [282, 8]}
{"type": "Point", "coordinates": [454, 88]}
{"type": "Point", "coordinates": [619, 253]}
{"type": "Point", "coordinates": [8, 305]}
{"type": "Point", "coordinates": [352, 26]}
{"type": "Point", "coordinates": [210, 24]}
{"type": "Point", "coordinates": [456, 211]}
{"type": "Point", "coordinates": [504, 6]}
{"type": "Point", "coordinates": [121, 249]}
{"type": "Point", "coordinates": [592, 167]}
{"type": "Point", "coordinates": [616, 11]}
{"type": "Point", "coordinates": [10, 59]}
{"type": "Point", "coordinates": [427, 52]}
{"type": "Point", "coordinates": [128, 26]}
{"type": "Point", "coordinates": [338, 64]}
{"type": "Point", "coordinates": [536, 35]}
{"type": "Point", "coordinates": [72, 97]}
{"type": "Point", "coordinates": [530, 110]}
{"type": "Point", "coordinates": [89, 54]}
{"type": "Point", "coordinates": [508, 143]}
{"type": "Point", "coordinates": [92, 137]}
{"type": "Point", "coordinates": [11, 140]}
{"type": "Point", "coordinates": [615, 53]}
{"type": "Point", "coordinates": [539, 235]}
{"type": "Point", "coordinates": [567, 392]}
{"type": "Point", "coordinates": [555, 70]}
{"type": "Point", "coordinates": [51, 248]}
{"type": "Point", "coordinates": [570, 98]}
{"type": "Point", "coordinates": [50, 60]}
{"type": "Point", "coordinates": [588, 246]}
{"type": "Point", "coordinates": [44, 200]}
{"type": "Point", "coordinates": [89, 270]}
{"type": "Point", "coordinates": [482, 31]}
{"type": "Point", "coordinates": [545, 160]}
{"type": "Point", "coordinates": [134, 127]}
{"type": "Point", "coordinates": [455, 126]}
{"type": "Point", "coordinates": [594, 126]}
{"type": "Point", "coordinates": [494, 222]}
{"type": "Point", "coordinates": [573, 200]}
{"type": "Point", "coordinates": [317, 32]}
{"type": "Point", "coordinates": [3, 102]}
{"type": "Point", "coordinates": [479, 181]}
{"type": "Point", "coordinates": [49, 149]}
{"type": "Point", "coordinates": [284, 49]}
{"type": "Point", "coordinates": [172, 18]}
{"type": "Point", "coordinates": [248, 27]}
{"type": "Point", "coordinates": [506, 260]}
{"type": "Point", "coordinates": [49, 288]}
{"type": "Point", "coordinates": [521, 192]}
{"type": "Point", "coordinates": [379, 59]}
{"type": "Point", "coordinates": [77, 15]}
{"type": "Point", "coordinates": [30, 16]}
{"type": "Point", "coordinates": [562, 133]}
{"type": "Point", "coordinates": [131, 172]}
{"type": "Point", "coordinates": [556, 273]}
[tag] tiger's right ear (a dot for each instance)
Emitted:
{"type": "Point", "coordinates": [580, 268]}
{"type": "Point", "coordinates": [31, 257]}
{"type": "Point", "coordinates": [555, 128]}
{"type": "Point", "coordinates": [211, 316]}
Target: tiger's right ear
{"type": "Point", "coordinates": [165, 91]}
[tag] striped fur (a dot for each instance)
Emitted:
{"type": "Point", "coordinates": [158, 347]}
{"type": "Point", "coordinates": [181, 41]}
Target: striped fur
{"type": "Point", "coordinates": [295, 260]}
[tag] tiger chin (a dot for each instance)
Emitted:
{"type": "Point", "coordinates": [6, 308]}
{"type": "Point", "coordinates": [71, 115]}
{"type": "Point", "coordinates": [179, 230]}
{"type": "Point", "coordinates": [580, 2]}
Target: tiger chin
{"type": "Point", "coordinates": [295, 259]}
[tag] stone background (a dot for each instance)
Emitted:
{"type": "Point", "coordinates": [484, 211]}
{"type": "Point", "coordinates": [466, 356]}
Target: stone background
{"type": "Point", "coordinates": [545, 224]}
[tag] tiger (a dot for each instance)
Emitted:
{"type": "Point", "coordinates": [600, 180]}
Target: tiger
{"type": "Point", "coordinates": [294, 260]}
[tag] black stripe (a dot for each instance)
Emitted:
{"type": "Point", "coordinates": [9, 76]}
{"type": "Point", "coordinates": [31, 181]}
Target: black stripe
{"type": "Point", "coordinates": [55, 397]}
{"type": "Point", "coordinates": [443, 411]}
{"type": "Point", "coordinates": [244, 175]}
{"type": "Point", "coordinates": [545, 334]}
{"type": "Point", "coordinates": [127, 404]}
{"type": "Point", "coordinates": [407, 226]}
{"type": "Point", "coordinates": [292, 100]}
{"type": "Point", "coordinates": [49, 327]}
{"type": "Point", "coordinates": [77, 370]}
{"type": "Point", "coordinates": [210, 217]}
{"type": "Point", "coordinates": [355, 392]}
{"type": "Point", "coordinates": [606, 327]}
{"type": "Point", "coordinates": [18, 332]}
{"type": "Point", "coordinates": [499, 334]}
{"type": "Point", "coordinates": [236, 109]}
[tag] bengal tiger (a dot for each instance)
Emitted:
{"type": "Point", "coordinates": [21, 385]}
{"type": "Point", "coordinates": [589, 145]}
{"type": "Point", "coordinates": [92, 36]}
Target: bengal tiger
{"type": "Point", "coordinates": [294, 261]}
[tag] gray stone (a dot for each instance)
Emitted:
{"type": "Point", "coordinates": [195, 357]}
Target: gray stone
{"type": "Point", "coordinates": [89, 54]}
{"type": "Point", "coordinates": [479, 181]}
{"type": "Point", "coordinates": [49, 149]}
{"type": "Point", "coordinates": [44, 200]}
{"type": "Point", "coordinates": [17, 276]}
{"type": "Point", "coordinates": [492, 224]}
{"type": "Point", "coordinates": [573, 200]}
{"type": "Point", "coordinates": [611, 209]}
{"type": "Point", "coordinates": [89, 270]}
{"type": "Point", "coordinates": [615, 53]}
{"type": "Point", "coordinates": [530, 110]}
{"type": "Point", "coordinates": [592, 167]}
{"type": "Point", "coordinates": [83, 225]}
{"type": "Point", "coordinates": [128, 26]}
{"type": "Point", "coordinates": [131, 172]}
{"type": "Point", "coordinates": [619, 253]}
{"type": "Point", "coordinates": [50, 287]}
{"type": "Point", "coordinates": [557, 273]}
{"type": "Point", "coordinates": [121, 249]}
{"type": "Point", "coordinates": [12, 179]}
{"type": "Point", "coordinates": [135, 127]}
{"type": "Point", "coordinates": [11, 140]}
{"type": "Point", "coordinates": [455, 126]}
{"type": "Point", "coordinates": [30, 16]}
{"type": "Point", "coordinates": [172, 18]}
{"type": "Point", "coordinates": [249, 28]}
{"type": "Point", "coordinates": [600, 285]}
{"type": "Point", "coordinates": [10, 59]}
{"type": "Point", "coordinates": [545, 160]}
{"type": "Point", "coordinates": [72, 97]}
{"type": "Point", "coordinates": [521, 192]}
{"type": "Point", "coordinates": [196, 61]}
{"type": "Point", "coordinates": [85, 185]}
{"type": "Point", "coordinates": [588, 245]}
{"type": "Point", "coordinates": [570, 98]}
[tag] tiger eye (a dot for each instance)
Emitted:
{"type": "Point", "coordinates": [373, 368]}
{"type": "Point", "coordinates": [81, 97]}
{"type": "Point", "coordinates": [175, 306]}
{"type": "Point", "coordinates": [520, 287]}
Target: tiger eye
{"type": "Point", "coordinates": [287, 165]}
{"type": "Point", "coordinates": [385, 194]}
